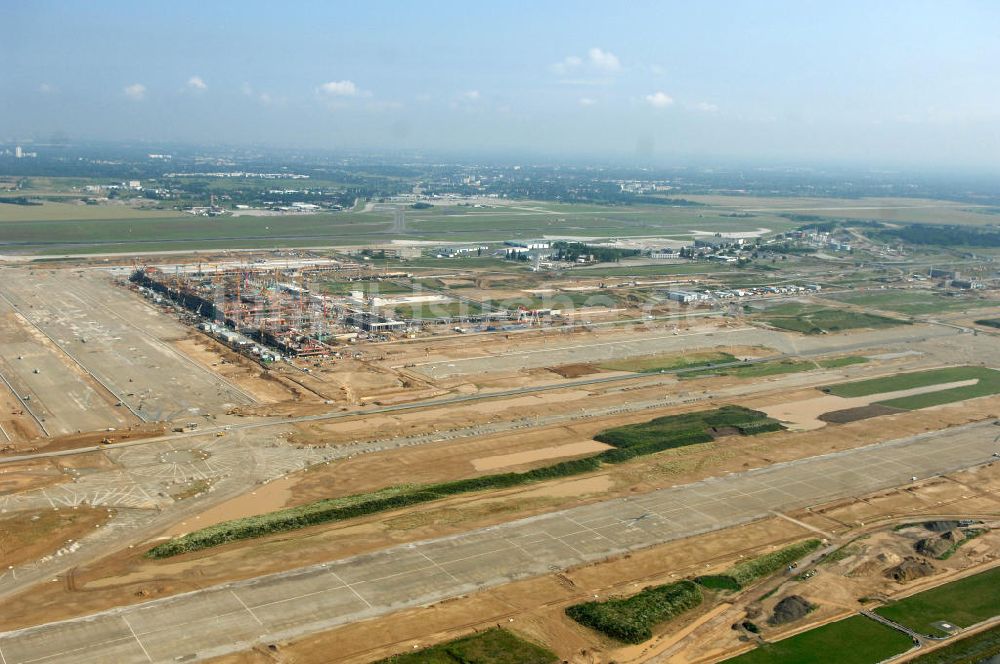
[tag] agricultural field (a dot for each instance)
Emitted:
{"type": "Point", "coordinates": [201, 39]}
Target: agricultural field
{"type": "Point", "coordinates": [856, 640]}
{"type": "Point", "coordinates": [975, 649]}
{"type": "Point", "coordinates": [963, 603]}
{"type": "Point", "coordinates": [810, 319]}
{"type": "Point", "coordinates": [494, 646]}
{"type": "Point", "coordinates": [987, 382]}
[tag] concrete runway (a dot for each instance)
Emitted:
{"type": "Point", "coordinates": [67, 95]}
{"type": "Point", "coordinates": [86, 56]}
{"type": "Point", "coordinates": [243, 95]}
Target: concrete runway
{"type": "Point", "coordinates": [558, 352]}
{"type": "Point", "coordinates": [232, 617]}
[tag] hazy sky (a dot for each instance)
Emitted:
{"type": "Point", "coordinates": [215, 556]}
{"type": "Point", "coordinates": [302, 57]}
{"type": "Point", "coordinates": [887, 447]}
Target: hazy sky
{"type": "Point", "coordinates": [872, 82]}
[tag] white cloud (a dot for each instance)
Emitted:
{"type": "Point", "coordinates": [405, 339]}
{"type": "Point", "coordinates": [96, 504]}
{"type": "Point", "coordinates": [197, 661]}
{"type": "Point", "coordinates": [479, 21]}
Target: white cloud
{"type": "Point", "coordinates": [45, 88]}
{"type": "Point", "coordinates": [135, 92]}
{"type": "Point", "coordinates": [247, 89]}
{"type": "Point", "coordinates": [605, 60]}
{"type": "Point", "coordinates": [657, 70]}
{"type": "Point", "coordinates": [587, 101]}
{"type": "Point", "coordinates": [471, 95]}
{"type": "Point", "coordinates": [566, 65]}
{"type": "Point", "coordinates": [705, 107]}
{"type": "Point", "coordinates": [197, 83]}
{"type": "Point", "coordinates": [340, 89]}
{"type": "Point", "coordinates": [659, 100]}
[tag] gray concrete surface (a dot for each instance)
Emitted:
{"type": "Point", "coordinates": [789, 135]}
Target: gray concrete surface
{"type": "Point", "coordinates": [232, 617]}
{"type": "Point", "coordinates": [558, 351]}
{"type": "Point", "coordinates": [81, 323]}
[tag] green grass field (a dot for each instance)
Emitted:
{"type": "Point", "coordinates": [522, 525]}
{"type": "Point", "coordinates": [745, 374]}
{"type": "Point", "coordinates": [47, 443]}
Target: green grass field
{"type": "Point", "coordinates": [964, 603]}
{"type": "Point", "coordinates": [668, 362]}
{"type": "Point", "coordinates": [762, 369]}
{"type": "Point", "coordinates": [975, 649]}
{"type": "Point", "coordinates": [989, 383]}
{"type": "Point", "coordinates": [855, 640]}
{"type": "Point", "coordinates": [809, 319]}
{"type": "Point", "coordinates": [65, 227]}
{"type": "Point", "coordinates": [494, 646]}
{"type": "Point", "coordinates": [914, 303]}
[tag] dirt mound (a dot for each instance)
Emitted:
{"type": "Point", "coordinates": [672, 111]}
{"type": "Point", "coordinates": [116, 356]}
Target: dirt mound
{"type": "Point", "coordinates": [909, 570]}
{"type": "Point", "coordinates": [932, 547]}
{"type": "Point", "coordinates": [574, 370]}
{"type": "Point", "coordinates": [859, 413]}
{"type": "Point", "coordinates": [940, 526]}
{"type": "Point", "coordinates": [790, 609]}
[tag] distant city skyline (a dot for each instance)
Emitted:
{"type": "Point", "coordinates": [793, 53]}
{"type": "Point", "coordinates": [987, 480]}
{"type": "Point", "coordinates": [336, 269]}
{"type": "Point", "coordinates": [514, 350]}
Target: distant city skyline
{"type": "Point", "coordinates": [889, 83]}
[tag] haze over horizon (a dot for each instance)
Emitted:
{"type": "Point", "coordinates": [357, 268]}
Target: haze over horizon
{"type": "Point", "coordinates": [899, 83]}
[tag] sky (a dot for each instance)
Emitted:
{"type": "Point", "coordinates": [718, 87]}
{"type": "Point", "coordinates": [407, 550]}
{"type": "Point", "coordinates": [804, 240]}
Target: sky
{"type": "Point", "coordinates": [907, 83]}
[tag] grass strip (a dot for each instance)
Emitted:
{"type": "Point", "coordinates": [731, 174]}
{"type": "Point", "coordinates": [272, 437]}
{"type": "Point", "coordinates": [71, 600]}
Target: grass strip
{"type": "Point", "coordinates": [629, 442]}
{"type": "Point", "coordinates": [745, 573]}
{"type": "Point", "coordinates": [988, 383]}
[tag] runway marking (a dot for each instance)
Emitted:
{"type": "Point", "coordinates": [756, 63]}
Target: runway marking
{"type": "Point", "coordinates": [3, 660]}
{"type": "Point", "coordinates": [75, 650]}
{"type": "Point", "coordinates": [435, 563]}
{"type": "Point", "coordinates": [136, 637]}
{"type": "Point", "coordinates": [802, 524]}
{"type": "Point", "coordinates": [249, 610]}
{"type": "Point", "coordinates": [351, 588]}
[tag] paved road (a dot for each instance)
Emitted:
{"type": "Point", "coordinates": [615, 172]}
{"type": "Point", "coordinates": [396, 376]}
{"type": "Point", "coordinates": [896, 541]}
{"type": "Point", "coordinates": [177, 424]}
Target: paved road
{"type": "Point", "coordinates": [231, 617]}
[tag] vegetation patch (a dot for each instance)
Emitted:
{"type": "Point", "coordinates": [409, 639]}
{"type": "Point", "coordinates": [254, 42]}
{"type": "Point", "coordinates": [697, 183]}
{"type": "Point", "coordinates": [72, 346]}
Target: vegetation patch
{"type": "Point", "coordinates": [856, 640]}
{"type": "Point", "coordinates": [679, 430]}
{"type": "Point", "coordinates": [632, 619]}
{"type": "Point", "coordinates": [671, 362]}
{"type": "Point", "coordinates": [975, 649]}
{"type": "Point", "coordinates": [773, 368]}
{"type": "Point", "coordinates": [820, 320]}
{"type": "Point", "coordinates": [745, 573]}
{"type": "Point", "coordinates": [913, 303]}
{"type": "Point", "coordinates": [494, 646]}
{"type": "Point", "coordinates": [628, 442]}
{"type": "Point", "coordinates": [989, 322]}
{"type": "Point", "coordinates": [963, 603]}
{"type": "Point", "coordinates": [718, 582]}
{"type": "Point", "coordinates": [988, 383]}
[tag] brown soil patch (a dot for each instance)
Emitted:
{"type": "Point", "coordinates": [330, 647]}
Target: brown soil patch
{"type": "Point", "coordinates": [586, 447]}
{"type": "Point", "coordinates": [575, 370]}
{"type": "Point", "coordinates": [859, 413]}
{"type": "Point", "coordinates": [29, 475]}
{"type": "Point", "coordinates": [267, 498]}
{"type": "Point", "coordinates": [28, 536]}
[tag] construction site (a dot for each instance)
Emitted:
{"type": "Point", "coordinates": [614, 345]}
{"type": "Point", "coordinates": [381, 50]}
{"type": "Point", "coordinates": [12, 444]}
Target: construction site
{"type": "Point", "coordinates": [147, 405]}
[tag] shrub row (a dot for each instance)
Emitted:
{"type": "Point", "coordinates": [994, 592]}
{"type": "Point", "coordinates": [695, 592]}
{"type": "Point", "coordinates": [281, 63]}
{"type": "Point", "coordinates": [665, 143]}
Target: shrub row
{"type": "Point", "coordinates": [632, 619]}
{"type": "Point", "coordinates": [748, 571]}
{"type": "Point", "coordinates": [628, 442]}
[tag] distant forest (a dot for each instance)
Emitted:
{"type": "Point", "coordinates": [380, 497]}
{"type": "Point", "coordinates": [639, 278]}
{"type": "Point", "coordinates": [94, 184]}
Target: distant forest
{"type": "Point", "coordinates": [945, 236]}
